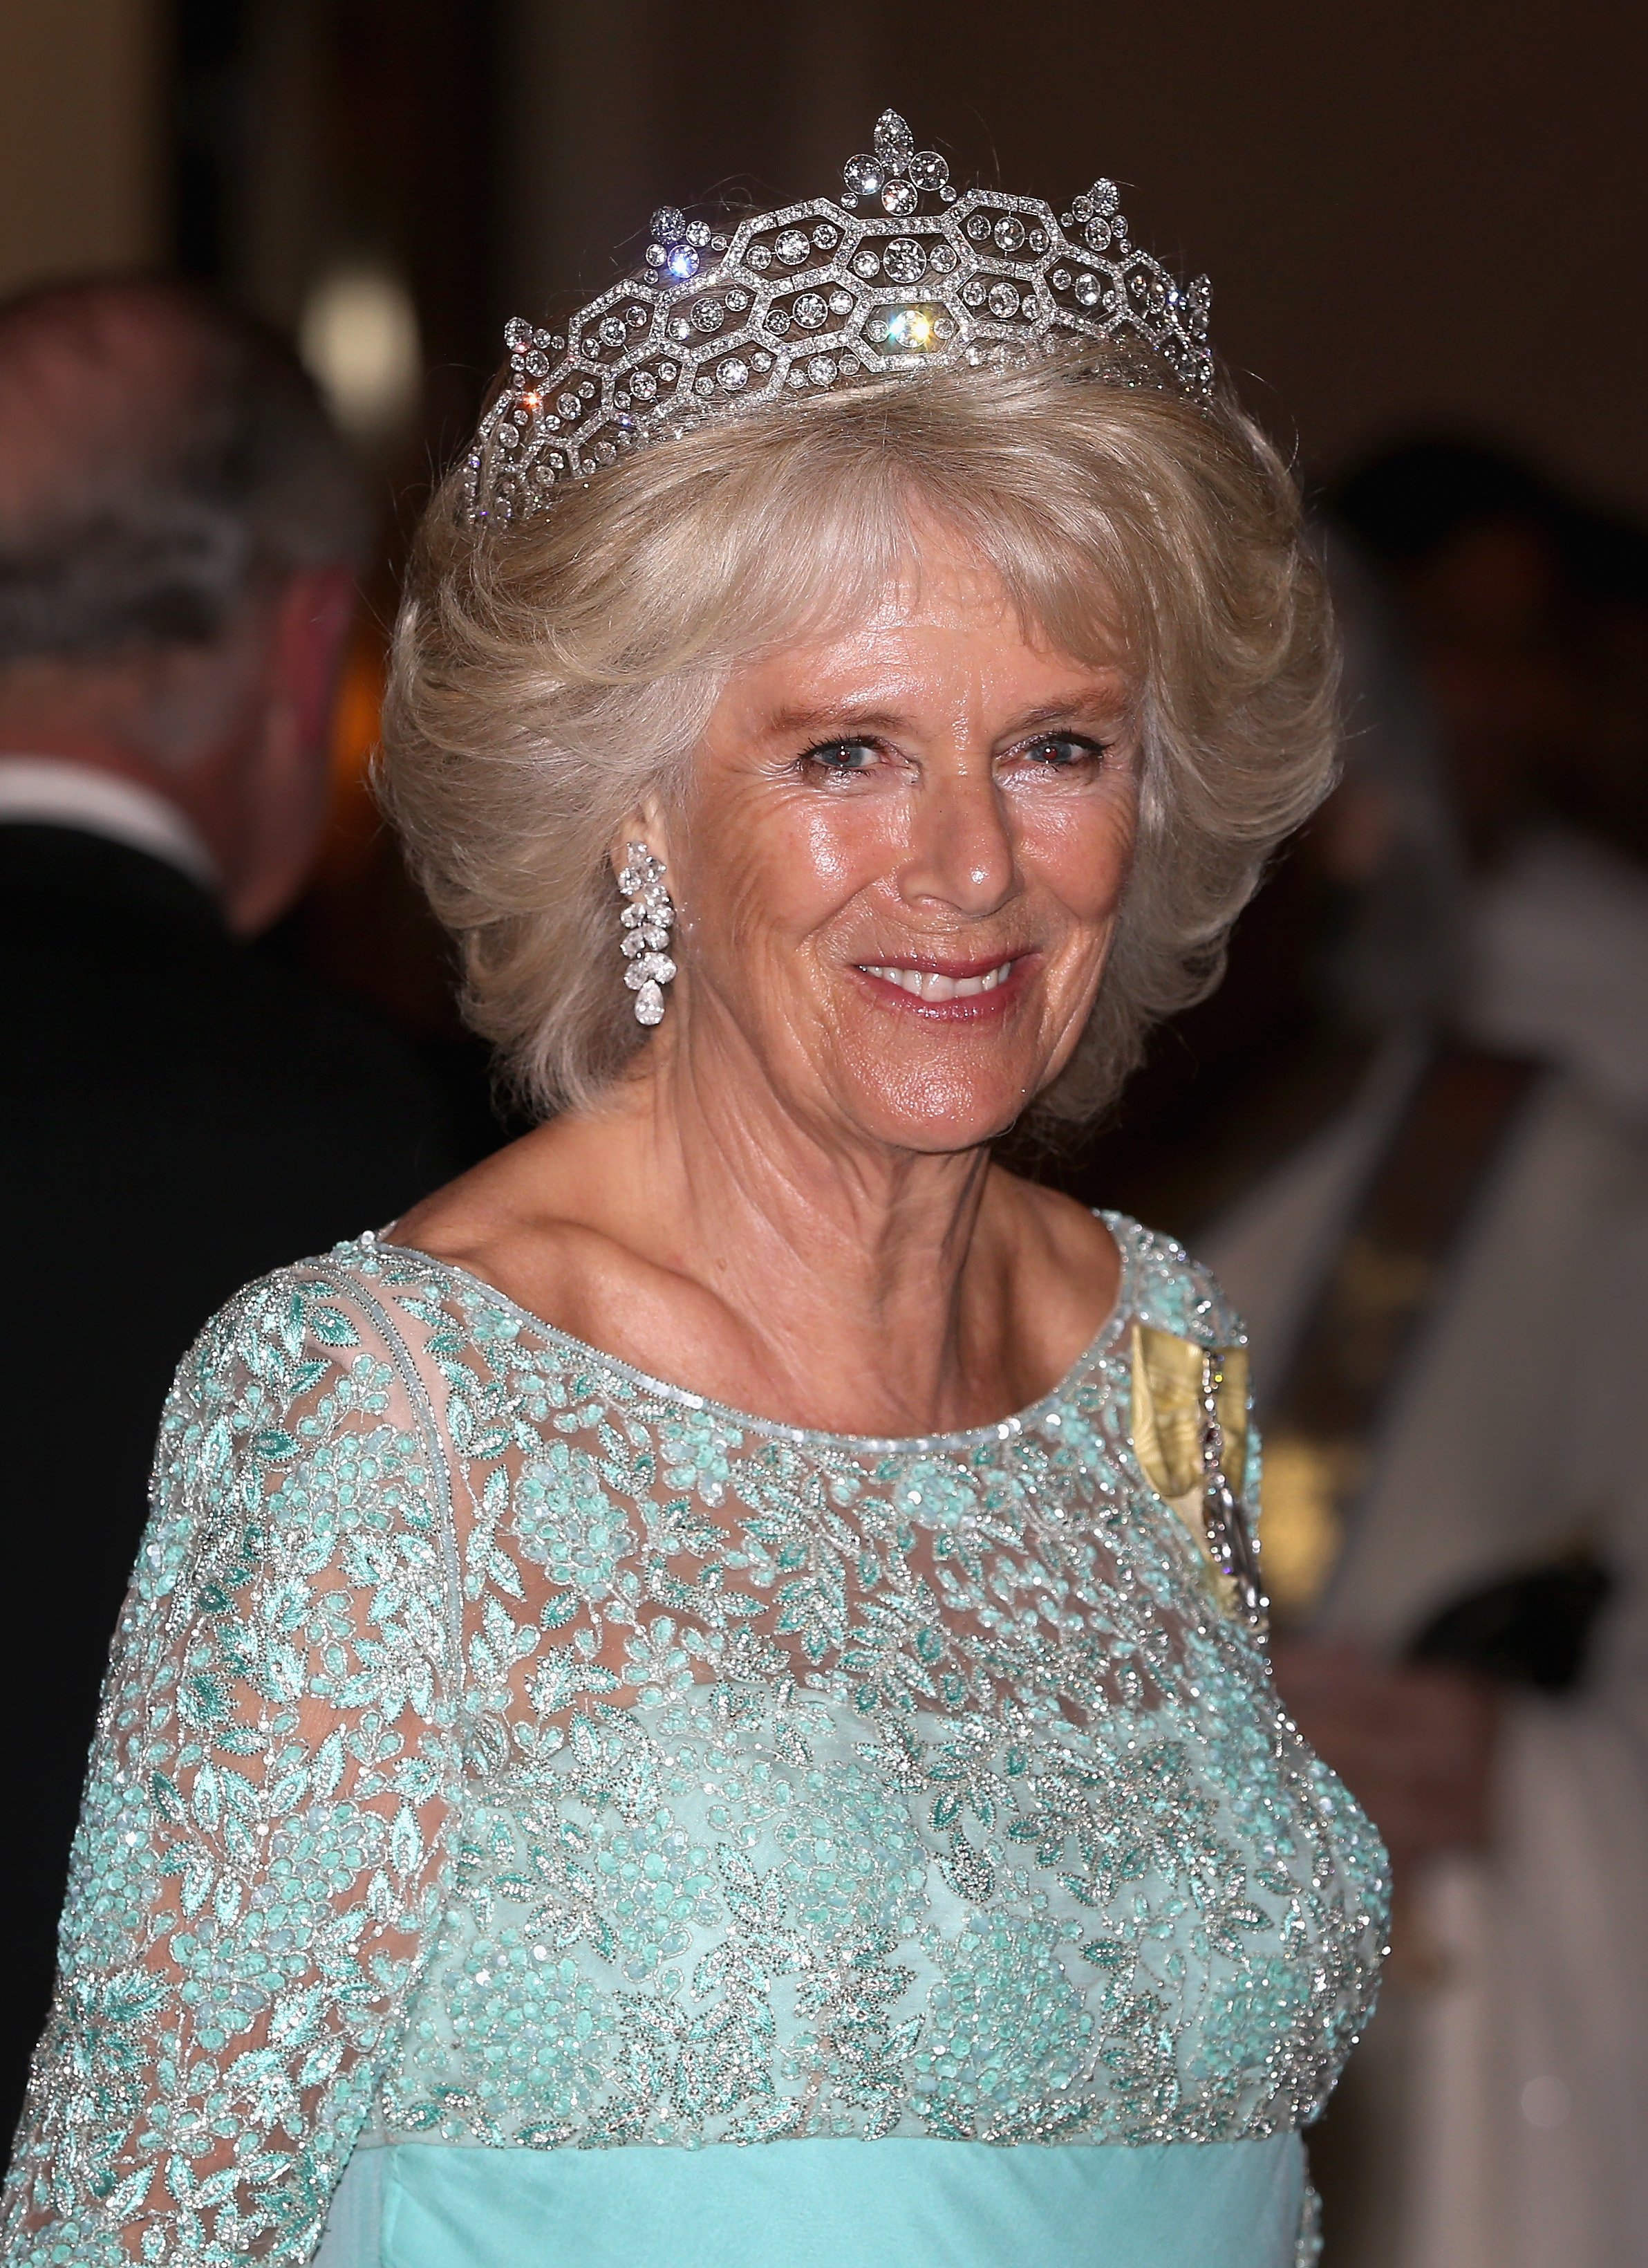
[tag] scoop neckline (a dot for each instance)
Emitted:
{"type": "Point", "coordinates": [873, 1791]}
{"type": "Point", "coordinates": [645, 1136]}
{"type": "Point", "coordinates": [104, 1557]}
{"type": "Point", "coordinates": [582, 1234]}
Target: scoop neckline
{"type": "Point", "coordinates": [1002, 1429]}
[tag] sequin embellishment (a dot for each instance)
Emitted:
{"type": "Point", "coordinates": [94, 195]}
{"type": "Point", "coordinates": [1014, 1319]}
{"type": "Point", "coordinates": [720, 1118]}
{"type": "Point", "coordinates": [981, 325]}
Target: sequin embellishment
{"type": "Point", "coordinates": [502, 1747]}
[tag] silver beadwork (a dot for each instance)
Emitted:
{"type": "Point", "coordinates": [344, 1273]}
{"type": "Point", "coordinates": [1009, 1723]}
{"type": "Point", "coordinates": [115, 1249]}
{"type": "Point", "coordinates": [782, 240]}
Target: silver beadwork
{"type": "Point", "coordinates": [646, 922]}
{"type": "Point", "coordinates": [897, 274]}
{"type": "Point", "coordinates": [1230, 1540]}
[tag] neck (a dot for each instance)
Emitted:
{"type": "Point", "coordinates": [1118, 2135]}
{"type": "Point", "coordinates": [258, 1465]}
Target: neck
{"type": "Point", "coordinates": [818, 1240]}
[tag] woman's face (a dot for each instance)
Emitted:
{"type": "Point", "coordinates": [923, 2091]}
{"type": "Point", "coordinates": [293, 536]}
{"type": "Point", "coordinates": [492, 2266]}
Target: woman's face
{"type": "Point", "coordinates": [899, 866]}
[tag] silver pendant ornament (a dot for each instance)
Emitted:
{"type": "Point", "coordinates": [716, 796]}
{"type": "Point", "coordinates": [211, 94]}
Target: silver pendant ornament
{"type": "Point", "coordinates": [1230, 1539]}
{"type": "Point", "coordinates": [646, 921]}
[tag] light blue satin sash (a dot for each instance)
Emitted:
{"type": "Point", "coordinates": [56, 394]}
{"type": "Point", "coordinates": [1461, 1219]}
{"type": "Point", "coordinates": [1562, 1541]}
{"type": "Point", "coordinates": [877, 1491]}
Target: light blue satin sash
{"type": "Point", "coordinates": [848, 2204]}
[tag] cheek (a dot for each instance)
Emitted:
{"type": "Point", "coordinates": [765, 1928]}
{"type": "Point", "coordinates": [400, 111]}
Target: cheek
{"type": "Point", "coordinates": [777, 870]}
{"type": "Point", "coordinates": [1081, 854]}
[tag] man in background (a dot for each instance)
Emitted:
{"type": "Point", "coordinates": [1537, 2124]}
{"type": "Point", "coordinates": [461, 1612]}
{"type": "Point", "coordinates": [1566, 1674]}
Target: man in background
{"type": "Point", "coordinates": [179, 531]}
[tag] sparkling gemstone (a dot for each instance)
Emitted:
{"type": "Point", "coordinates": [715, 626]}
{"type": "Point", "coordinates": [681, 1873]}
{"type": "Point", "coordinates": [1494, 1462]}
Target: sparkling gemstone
{"type": "Point", "coordinates": [517, 334]}
{"type": "Point", "coordinates": [669, 225]}
{"type": "Point", "coordinates": [606, 451]}
{"type": "Point", "coordinates": [649, 1007]}
{"type": "Point", "coordinates": [667, 372]}
{"type": "Point", "coordinates": [821, 370]}
{"type": "Point", "coordinates": [978, 227]}
{"type": "Point", "coordinates": [683, 262]}
{"type": "Point", "coordinates": [941, 259]}
{"type": "Point", "coordinates": [568, 404]}
{"type": "Point", "coordinates": [698, 233]}
{"type": "Point", "coordinates": [643, 386]}
{"type": "Point", "coordinates": [972, 292]}
{"type": "Point", "coordinates": [655, 255]}
{"type": "Point", "coordinates": [737, 301]}
{"type": "Point", "coordinates": [679, 328]}
{"type": "Point", "coordinates": [826, 236]}
{"type": "Point", "coordinates": [509, 437]}
{"type": "Point", "coordinates": [1104, 196]}
{"type": "Point", "coordinates": [908, 330]}
{"type": "Point", "coordinates": [928, 170]}
{"type": "Point", "coordinates": [792, 247]}
{"type": "Point", "coordinates": [1089, 289]}
{"type": "Point", "coordinates": [1009, 233]}
{"type": "Point", "coordinates": [865, 263]}
{"type": "Point", "coordinates": [894, 143]}
{"type": "Point", "coordinates": [905, 260]}
{"type": "Point", "coordinates": [944, 327]}
{"type": "Point", "coordinates": [1098, 234]}
{"type": "Point", "coordinates": [733, 374]}
{"type": "Point", "coordinates": [1004, 301]}
{"type": "Point", "coordinates": [841, 302]}
{"type": "Point", "coordinates": [1060, 279]}
{"type": "Point", "coordinates": [811, 312]}
{"type": "Point", "coordinates": [759, 257]}
{"type": "Point", "coordinates": [863, 176]}
{"type": "Point", "coordinates": [1038, 239]}
{"type": "Point", "coordinates": [709, 315]}
{"type": "Point", "coordinates": [797, 376]}
{"type": "Point", "coordinates": [899, 198]}
{"type": "Point", "coordinates": [762, 360]}
{"type": "Point", "coordinates": [537, 363]}
{"type": "Point", "coordinates": [613, 333]}
{"type": "Point", "coordinates": [586, 387]}
{"type": "Point", "coordinates": [637, 318]}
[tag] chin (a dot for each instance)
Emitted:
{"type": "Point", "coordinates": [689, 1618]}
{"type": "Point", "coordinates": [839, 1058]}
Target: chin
{"type": "Point", "coordinates": [934, 1110]}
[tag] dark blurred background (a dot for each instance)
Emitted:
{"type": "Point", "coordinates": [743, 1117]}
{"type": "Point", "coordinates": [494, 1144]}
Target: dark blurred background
{"type": "Point", "coordinates": [1416, 219]}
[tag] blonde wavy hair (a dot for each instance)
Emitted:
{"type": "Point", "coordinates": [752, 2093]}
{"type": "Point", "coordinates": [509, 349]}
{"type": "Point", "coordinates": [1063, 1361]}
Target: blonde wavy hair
{"type": "Point", "coordinates": [548, 677]}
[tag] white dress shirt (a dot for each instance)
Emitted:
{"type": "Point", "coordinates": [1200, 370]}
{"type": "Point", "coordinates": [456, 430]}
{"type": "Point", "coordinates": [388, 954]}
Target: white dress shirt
{"type": "Point", "coordinates": [54, 792]}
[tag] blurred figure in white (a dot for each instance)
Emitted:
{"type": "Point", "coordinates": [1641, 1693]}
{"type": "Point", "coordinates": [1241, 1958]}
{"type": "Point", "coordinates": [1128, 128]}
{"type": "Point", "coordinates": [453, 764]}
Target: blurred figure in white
{"type": "Point", "coordinates": [1447, 1290]}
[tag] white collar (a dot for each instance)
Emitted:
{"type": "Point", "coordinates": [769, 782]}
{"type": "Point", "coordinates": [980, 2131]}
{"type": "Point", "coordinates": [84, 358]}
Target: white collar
{"type": "Point", "coordinates": [54, 792]}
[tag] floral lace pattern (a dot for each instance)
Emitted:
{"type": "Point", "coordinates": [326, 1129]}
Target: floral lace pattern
{"type": "Point", "coordinates": [503, 1747]}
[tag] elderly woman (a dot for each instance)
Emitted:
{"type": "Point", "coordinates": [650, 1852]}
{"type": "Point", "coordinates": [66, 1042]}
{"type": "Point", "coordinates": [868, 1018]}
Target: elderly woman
{"type": "Point", "coordinates": [702, 1699]}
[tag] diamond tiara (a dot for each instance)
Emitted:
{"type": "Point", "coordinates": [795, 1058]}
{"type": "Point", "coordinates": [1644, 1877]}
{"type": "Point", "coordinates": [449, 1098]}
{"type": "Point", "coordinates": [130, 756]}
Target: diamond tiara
{"type": "Point", "coordinates": [899, 273]}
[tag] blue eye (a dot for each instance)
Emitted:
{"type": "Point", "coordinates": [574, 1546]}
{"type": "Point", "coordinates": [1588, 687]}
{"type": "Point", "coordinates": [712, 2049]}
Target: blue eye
{"type": "Point", "coordinates": [840, 757]}
{"type": "Point", "coordinates": [1063, 751]}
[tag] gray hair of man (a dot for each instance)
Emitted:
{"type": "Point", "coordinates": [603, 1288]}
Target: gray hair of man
{"type": "Point", "coordinates": [161, 454]}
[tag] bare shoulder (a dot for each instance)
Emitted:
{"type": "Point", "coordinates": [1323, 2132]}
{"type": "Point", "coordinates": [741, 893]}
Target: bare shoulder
{"type": "Point", "coordinates": [542, 1223]}
{"type": "Point", "coordinates": [1065, 1264]}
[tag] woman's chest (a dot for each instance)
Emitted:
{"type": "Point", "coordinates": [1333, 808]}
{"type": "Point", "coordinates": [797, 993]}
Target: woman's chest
{"type": "Point", "coordinates": [744, 1913]}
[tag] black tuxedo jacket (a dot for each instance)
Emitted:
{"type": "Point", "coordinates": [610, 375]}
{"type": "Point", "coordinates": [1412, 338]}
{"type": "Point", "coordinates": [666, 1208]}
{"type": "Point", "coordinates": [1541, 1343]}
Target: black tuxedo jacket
{"type": "Point", "coordinates": [178, 1113]}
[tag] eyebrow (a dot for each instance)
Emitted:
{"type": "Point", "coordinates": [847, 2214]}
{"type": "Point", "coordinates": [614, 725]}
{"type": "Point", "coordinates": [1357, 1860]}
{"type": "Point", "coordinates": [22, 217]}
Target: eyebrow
{"type": "Point", "coordinates": [840, 723]}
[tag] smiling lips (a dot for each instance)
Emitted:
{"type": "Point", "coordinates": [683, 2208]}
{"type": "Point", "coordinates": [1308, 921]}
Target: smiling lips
{"type": "Point", "coordinates": [953, 985]}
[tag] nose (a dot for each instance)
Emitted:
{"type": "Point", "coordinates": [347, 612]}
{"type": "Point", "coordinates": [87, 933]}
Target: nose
{"type": "Point", "coordinates": [961, 854]}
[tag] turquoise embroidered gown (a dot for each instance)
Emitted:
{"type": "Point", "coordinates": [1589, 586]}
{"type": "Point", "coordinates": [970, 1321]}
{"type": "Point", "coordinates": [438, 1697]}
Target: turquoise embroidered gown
{"type": "Point", "coordinates": [542, 1817]}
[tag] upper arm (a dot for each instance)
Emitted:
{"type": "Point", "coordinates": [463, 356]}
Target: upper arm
{"type": "Point", "coordinates": [257, 1869]}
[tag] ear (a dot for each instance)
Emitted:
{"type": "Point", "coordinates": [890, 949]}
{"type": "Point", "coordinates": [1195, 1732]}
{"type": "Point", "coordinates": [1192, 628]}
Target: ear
{"type": "Point", "coordinates": [313, 619]}
{"type": "Point", "coordinates": [285, 769]}
{"type": "Point", "coordinates": [644, 824]}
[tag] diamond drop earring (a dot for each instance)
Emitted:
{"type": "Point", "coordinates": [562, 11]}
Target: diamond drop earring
{"type": "Point", "coordinates": [647, 921]}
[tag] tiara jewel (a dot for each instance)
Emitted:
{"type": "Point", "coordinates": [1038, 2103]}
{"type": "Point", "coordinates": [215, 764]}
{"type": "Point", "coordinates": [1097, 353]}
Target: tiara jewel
{"type": "Point", "coordinates": [898, 273]}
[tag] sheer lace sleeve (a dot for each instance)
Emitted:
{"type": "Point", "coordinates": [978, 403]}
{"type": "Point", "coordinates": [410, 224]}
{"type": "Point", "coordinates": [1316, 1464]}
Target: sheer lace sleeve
{"type": "Point", "coordinates": [257, 1873]}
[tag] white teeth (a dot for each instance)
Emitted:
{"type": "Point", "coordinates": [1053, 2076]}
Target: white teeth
{"type": "Point", "coordinates": [927, 985]}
